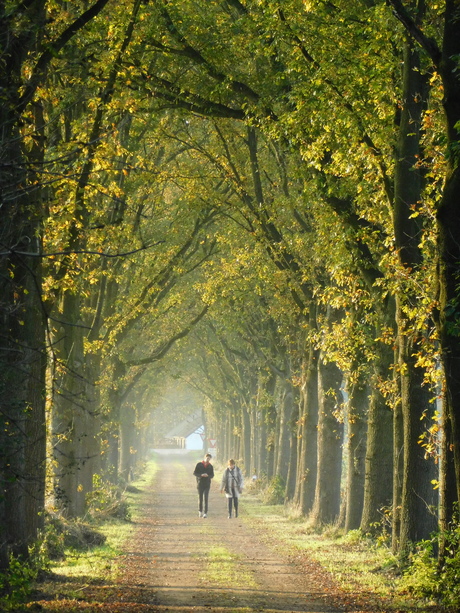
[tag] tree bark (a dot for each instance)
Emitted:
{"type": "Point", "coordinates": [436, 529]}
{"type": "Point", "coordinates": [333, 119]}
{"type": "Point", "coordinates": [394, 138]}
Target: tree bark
{"type": "Point", "coordinates": [448, 220]}
{"type": "Point", "coordinates": [245, 453]}
{"type": "Point", "coordinates": [128, 442]}
{"type": "Point", "coordinates": [309, 432]}
{"type": "Point", "coordinates": [447, 489]}
{"type": "Point", "coordinates": [293, 446]}
{"type": "Point", "coordinates": [378, 483]}
{"type": "Point", "coordinates": [445, 59]}
{"type": "Point", "coordinates": [418, 497]}
{"type": "Point", "coordinates": [398, 473]}
{"type": "Point", "coordinates": [326, 507]}
{"type": "Point", "coordinates": [22, 316]}
{"type": "Point", "coordinates": [268, 468]}
{"type": "Point", "coordinates": [69, 408]}
{"type": "Point", "coordinates": [284, 430]}
{"type": "Point", "coordinates": [357, 408]}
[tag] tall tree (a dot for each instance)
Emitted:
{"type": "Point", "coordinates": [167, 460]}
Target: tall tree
{"type": "Point", "coordinates": [444, 56]}
{"type": "Point", "coordinates": [29, 47]}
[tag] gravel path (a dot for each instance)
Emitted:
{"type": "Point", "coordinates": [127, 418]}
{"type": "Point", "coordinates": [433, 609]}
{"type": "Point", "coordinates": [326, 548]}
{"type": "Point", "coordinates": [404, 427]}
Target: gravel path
{"type": "Point", "coordinates": [179, 562]}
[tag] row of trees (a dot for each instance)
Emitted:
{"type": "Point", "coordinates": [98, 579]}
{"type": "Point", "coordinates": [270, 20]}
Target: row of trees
{"type": "Point", "coordinates": [259, 197]}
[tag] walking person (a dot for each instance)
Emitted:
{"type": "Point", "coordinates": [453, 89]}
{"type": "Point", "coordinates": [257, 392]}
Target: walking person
{"type": "Point", "coordinates": [232, 485]}
{"type": "Point", "coordinates": [204, 472]}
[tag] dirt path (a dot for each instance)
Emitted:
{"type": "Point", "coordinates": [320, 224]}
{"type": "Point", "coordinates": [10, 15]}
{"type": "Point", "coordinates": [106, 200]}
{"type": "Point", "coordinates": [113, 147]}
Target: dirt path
{"type": "Point", "coordinates": [178, 562]}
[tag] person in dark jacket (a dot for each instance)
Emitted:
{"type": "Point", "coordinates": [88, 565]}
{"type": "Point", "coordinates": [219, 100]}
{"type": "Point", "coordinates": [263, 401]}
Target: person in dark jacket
{"type": "Point", "coordinates": [204, 472]}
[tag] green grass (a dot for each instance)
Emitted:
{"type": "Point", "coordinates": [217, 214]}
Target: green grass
{"type": "Point", "coordinates": [151, 468]}
{"type": "Point", "coordinates": [223, 569]}
{"type": "Point", "coordinates": [98, 563]}
{"type": "Point", "coordinates": [356, 563]}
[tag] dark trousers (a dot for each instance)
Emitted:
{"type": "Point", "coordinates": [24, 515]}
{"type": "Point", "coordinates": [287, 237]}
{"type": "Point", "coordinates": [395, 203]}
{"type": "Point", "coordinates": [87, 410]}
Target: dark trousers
{"type": "Point", "coordinates": [233, 501]}
{"type": "Point", "coordinates": [203, 494]}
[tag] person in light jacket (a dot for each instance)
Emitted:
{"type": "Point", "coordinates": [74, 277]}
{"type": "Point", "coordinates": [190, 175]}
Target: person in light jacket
{"type": "Point", "coordinates": [232, 485]}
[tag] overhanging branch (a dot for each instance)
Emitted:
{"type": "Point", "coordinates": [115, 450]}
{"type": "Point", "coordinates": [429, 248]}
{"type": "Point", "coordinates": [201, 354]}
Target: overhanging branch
{"type": "Point", "coordinates": [163, 350]}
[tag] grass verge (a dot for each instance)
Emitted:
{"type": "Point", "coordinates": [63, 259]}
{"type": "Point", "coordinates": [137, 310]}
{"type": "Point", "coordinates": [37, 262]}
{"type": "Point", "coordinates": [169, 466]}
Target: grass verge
{"type": "Point", "coordinates": [357, 565]}
{"type": "Point", "coordinates": [98, 563]}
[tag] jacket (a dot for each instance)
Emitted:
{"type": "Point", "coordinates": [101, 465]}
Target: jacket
{"type": "Point", "coordinates": [203, 482]}
{"type": "Point", "coordinates": [232, 482]}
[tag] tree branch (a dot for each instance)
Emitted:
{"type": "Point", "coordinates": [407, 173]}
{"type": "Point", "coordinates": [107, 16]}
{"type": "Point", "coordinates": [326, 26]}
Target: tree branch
{"type": "Point", "coordinates": [162, 351]}
{"type": "Point", "coordinates": [53, 49]}
{"type": "Point", "coordinates": [103, 254]}
{"type": "Point", "coordinates": [165, 90]}
{"type": "Point", "coordinates": [237, 86]}
{"type": "Point", "coordinates": [428, 44]}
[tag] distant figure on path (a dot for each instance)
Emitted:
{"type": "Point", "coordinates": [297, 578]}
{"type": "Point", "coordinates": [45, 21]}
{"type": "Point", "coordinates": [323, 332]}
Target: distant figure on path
{"type": "Point", "coordinates": [204, 472]}
{"type": "Point", "coordinates": [232, 485]}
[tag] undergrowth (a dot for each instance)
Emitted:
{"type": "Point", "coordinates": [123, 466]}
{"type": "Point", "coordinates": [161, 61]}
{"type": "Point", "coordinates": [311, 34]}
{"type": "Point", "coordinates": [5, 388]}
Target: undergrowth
{"type": "Point", "coordinates": [437, 579]}
{"type": "Point", "coordinates": [83, 547]}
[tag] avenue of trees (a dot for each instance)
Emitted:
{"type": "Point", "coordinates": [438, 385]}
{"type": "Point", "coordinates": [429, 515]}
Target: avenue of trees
{"type": "Point", "coordinates": [257, 198]}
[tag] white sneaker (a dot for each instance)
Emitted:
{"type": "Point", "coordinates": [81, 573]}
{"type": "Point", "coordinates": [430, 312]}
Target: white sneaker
{"type": "Point", "coordinates": [204, 515]}
{"type": "Point", "coordinates": [200, 514]}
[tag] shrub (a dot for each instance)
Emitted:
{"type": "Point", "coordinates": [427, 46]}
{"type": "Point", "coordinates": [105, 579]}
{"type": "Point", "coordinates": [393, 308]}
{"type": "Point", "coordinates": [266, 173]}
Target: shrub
{"type": "Point", "coordinates": [82, 536]}
{"type": "Point", "coordinates": [449, 569]}
{"type": "Point", "coordinates": [256, 485]}
{"type": "Point", "coordinates": [16, 582]}
{"type": "Point", "coordinates": [426, 577]}
{"type": "Point", "coordinates": [353, 537]}
{"type": "Point", "coordinates": [53, 539]}
{"type": "Point", "coordinates": [274, 492]}
{"type": "Point", "coordinates": [421, 577]}
{"type": "Point", "coordinates": [105, 501]}
{"type": "Point", "coordinates": [380, 531]}
{"type": "Point", "coordinates": [61, 534]}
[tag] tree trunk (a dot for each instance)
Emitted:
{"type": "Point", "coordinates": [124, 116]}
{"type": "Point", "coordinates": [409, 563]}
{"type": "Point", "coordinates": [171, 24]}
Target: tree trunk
{"type": "Point", "coordinates": [22, 313]}
{"type": "Point", "coordinates": [419, 499]}
{"type": "Point", "coordinates": [93, 428]}
{"type": "Point", "coordinates": [398, 473]}
{"type": "Point", "coordinates": [230, 444]}
{"type": "Point", "coordinates": [309, 433]}
{"type": "Point", "coordinates": [448, 219]}
{"type": "Point", "coordinates": [128, 450]}
{"type": "Point", "coordinates": [293, 446]}
{"type": "Point", "coordinates": [378, 482]}
{"type": "Point", "coordinates": [357, 407]}
{"type": "Point", "coordinates": [284, 431]}
{"type": "Point", "coordinates": [255, 431]}
{"type": "Point", "coordinates": [245, 437]}
{"type": "Point", "coordinates": [268, 467]}
{"type": "Point", "coordinates": [326, 508]}
{"type": "Point", "coordinates": [267, 412]}
{"type": "Point", "coordinates": [447, 489]}
{"type": "Point", "coordinates": [69, 409]}
{"type": "Point", "coordinates": [111, 457]}
{"type": "Point", "coordinates": [22, 419]}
